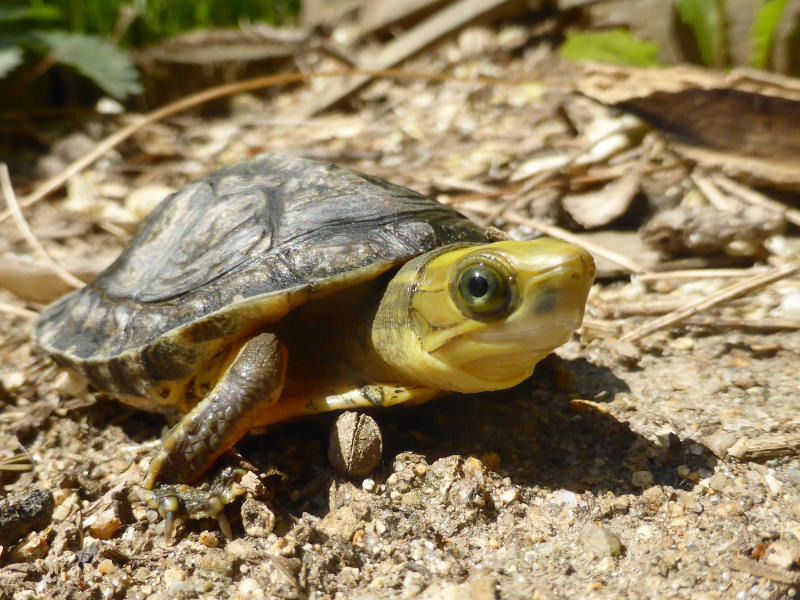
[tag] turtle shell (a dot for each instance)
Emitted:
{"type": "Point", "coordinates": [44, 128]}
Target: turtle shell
{"type": "Point", "coordinates": [226, 255]}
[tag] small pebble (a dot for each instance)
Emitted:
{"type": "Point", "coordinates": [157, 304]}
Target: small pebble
{"type": "Point", "coordinates": [774, 486]}
{"type": "Point", "coordinates": [208, 539]}
{"type": "Point", "coordinates": [683, 471]}
{"type": "Point", "coordinates": [258, 520]}
{"type": "Point", "coordinates": [728, 509]}
{"type": "Point", "coordinates": [696, 449]}
{"type": "Point", "coordinates": [356, 445]}
{"type": "Point", "coordinates": [105, 525]}
{"type": "Point", "coordinates": [682, 343]}
{"type": "Point", "coordinates": [642, 479]}
{"type": "Point", "coordinates": [720, 442]}
{"type": "Point", "coordinates": [368, 484]}
{"type": "Point", "coordinates": [21, 513]}
{"type": "Point", "coordinates": [106, 566]}
{"type": "Point", "coordinates": [783, 555]}
{"type": "Point", "coordinates": [599, 541]}
{"type": "Point", "coordinates": [32, 547]}
{"type": "Point", "coordinates": [666, 437]}
{"type": "Point", "coordinates": [565, 498]}
{"type": "Point", "coordinates": [509, 495]}
{"type": "Point", "coordinates": [718, 482]}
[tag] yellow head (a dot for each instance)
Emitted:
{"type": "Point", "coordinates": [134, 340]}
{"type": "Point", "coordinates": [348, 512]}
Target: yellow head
{"type": "Point", "coordinates": [477, 318]}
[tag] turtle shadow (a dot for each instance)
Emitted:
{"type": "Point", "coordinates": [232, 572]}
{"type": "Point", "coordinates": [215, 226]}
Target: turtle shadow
{"type": "Point", "coordinates": [546, 434]}
{"type": "Point", "coordinates": [552, 432]}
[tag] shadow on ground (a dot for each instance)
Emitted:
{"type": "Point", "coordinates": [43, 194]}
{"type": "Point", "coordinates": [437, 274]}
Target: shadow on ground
{"type": "Point", "coordinates": [552, 432]}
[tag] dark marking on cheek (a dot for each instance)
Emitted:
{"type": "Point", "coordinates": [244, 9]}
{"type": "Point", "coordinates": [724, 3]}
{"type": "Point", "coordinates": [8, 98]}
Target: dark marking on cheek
{"type": "Point", "coordinates": [546, 301]}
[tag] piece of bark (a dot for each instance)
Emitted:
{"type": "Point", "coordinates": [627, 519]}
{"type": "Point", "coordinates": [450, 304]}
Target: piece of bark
{"type": "Point", "coordinates": [743, 120]}
{"type": "Point", "coordinates": [706, 230]}
{"type": "Point", "coordinates": [601, 207]}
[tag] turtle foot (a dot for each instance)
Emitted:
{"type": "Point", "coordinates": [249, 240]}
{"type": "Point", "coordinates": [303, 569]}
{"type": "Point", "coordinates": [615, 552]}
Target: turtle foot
{"type": "Point", "coordinates": [202, 501]}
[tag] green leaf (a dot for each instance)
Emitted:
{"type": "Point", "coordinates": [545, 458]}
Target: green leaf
{"type": "Point", "coordinates": [707, 22]}
{"type": "Point", "coordinates": [762, 34]}
{"type": "Point", "coordinates": [10, 58]}
{"type": "Point", "coordinates": [102, 62]}
{"type": "Point", "coordinates": [616, 46]}
{"type": "Point", "coordinates": [9, 14]}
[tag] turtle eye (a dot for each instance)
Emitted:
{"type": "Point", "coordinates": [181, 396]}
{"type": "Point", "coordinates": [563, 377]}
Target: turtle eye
{"type": "Point", "coordinates": [482, 292]}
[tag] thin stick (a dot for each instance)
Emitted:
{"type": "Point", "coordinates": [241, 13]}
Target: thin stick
{"type": "Point", "coordinates": [563, 234]}
{"type": "Point", "coordinates": [765, 324]}
{"type": "Point", "coordinates": [699, 274]}
{"type": "Point", "coordinates": [16, 311]}
{"type": "Point", "coordinates": [753, 197]}
{"type": "Point", "coordinates": [735, 290]}
{"type": "Point", "coordinates": [22, 225]}
{"type": "Point", "coordinates": [753, 567]}
{"type": "Point", "coordinates": [713, 194]}
{"type": "Point", "coordinates": [221, 91]}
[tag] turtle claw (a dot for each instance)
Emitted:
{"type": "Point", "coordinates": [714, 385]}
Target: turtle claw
{"type": "Point", "coordinates": [203, 501]}
{"type": "Point", "coordinates": [169, 526]}
{"type": "Point", "coordinates": [225, 525]}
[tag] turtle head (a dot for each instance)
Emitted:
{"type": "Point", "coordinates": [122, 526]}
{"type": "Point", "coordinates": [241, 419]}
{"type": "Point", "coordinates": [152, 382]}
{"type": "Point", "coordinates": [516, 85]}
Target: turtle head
{"type": "Point", "coordinates": [477, 318]}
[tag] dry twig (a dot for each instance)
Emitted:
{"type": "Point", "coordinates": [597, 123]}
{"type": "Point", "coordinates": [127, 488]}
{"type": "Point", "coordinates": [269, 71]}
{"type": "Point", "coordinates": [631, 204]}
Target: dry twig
{"type": "Point", "coordinates": [753, 197]}
{"type": "Point", "coordinates": [22, 225]}
{"type": "Point", "coordinates": [558, 232]}
{"type": "Point", "coordinates": [735, 290]}
{"type": "Point", "coordinates": [221, 91]}
{"type": "Point", "coordinates": [17, 311]}
{"type": "Point", "coordinates": [700, 274]}
{"type": "Point", "coordinates": [753, 567]}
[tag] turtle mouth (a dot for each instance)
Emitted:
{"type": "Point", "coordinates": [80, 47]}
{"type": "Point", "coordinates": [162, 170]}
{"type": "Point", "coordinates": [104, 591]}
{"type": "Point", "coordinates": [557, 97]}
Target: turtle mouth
{"type": "Point", "coordinates": [543, 336]}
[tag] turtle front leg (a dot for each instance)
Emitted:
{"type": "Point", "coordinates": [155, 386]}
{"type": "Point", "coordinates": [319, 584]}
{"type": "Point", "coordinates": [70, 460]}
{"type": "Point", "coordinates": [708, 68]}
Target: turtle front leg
{"type": "Point", "coordinates": [252, 383]}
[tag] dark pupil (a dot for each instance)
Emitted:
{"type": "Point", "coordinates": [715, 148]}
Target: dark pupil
{"type": "Point", "coordinates": [478, 285]}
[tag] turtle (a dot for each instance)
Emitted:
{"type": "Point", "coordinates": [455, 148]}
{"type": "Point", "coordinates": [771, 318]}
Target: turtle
{"type": "Point", "coordinates": [282, 286]}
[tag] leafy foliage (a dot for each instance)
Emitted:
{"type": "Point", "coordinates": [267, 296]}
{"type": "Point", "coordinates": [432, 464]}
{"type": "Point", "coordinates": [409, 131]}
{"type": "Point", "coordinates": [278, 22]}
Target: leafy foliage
{"type": "Point", "coordinates": [762, 34]}
{"type": "Point", "coordinates": [614, 45]}
{"type": "Point", "coordinates": [110, 68]}
{"type": "Point", "coordinates": [706, 18]}
{"type": "Point", "coordinates": [73, 32]}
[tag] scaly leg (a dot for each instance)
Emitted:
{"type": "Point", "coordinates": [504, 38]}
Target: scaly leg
{"type": "Point", "coordinates": [252, 383]}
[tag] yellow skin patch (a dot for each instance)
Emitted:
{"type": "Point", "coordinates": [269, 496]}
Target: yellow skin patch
{"type": "Point", "coordinates": [422, 329]}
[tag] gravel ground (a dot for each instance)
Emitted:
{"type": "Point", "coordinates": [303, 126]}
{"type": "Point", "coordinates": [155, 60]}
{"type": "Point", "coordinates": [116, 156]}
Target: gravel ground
{"type": "Point", "coordinates": [667, 469]}
{"type": "Point", "coordinates": [594, 480]}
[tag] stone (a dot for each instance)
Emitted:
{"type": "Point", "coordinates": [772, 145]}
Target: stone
{"type": "Point", "coordinates": [356, 446]}
{"type": "Point", "coordinates": [599, 541]}
{"type": "Point", "coordinates": [642, 479]}
{"type": "Point", "coordinates": [258, 520]}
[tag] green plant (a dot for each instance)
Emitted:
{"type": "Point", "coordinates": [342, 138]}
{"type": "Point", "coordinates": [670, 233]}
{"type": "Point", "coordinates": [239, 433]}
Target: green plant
{"type": "Point", "coordinates": [614, 45]}
{"type": "Point", "coordinates": [75, 32]}
{"type": "Point", "coordinates": [108, 67]}
{"type": "Point", "coordinates": [762, 34]}
{"type": "Point", "coordinates": [705, 18]}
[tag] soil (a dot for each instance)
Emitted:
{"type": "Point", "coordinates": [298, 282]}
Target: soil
{"type": "Point", "coordinates": [663, 469]}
